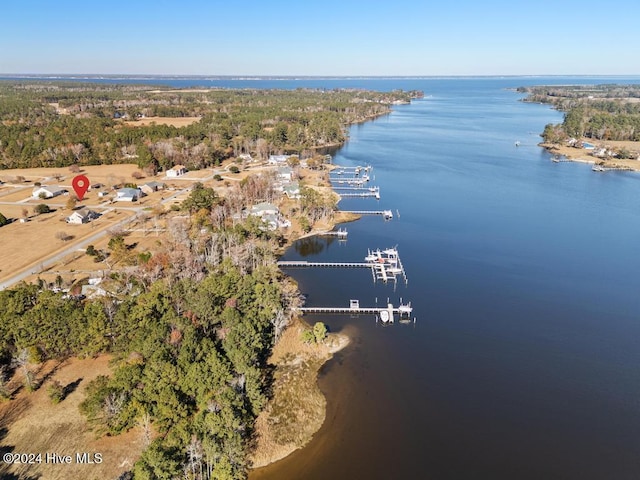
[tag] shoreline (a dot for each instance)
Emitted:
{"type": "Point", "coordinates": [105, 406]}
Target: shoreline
{"type": "Point", "coordinates": [578, 155]}
{"type": "Point", "coordinates": [288, 424]}
{"type": "Point", "coordinates": [298, 365]}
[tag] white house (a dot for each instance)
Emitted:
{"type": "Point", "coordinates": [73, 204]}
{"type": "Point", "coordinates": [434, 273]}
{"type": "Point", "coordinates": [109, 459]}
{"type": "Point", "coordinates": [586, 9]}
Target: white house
{"type": "Point", "coordinates": [278, 159]}
{"type": "Point", "coordinates": [47, 192]}
{"type": "Point", "coordinates": [292, 190]}
{"type": "Point", "coordinates": [84, 215]}
{"type": "Point", "coordinates": [128, 194]}
{"type": "Point", "coordinates": [176, 171]}
{"type": "Point", "coordinates": [270, 214]}
{"type": "Point", "coordinates": [285, 173]}
{"type": "Point", "coordinates": [264, 208]}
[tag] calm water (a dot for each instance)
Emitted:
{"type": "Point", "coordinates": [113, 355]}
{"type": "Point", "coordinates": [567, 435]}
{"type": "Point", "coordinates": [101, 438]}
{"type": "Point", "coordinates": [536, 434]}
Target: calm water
{"type": "Point", "coordinates": [524, 274]}
{"type": "Point", "coordinates": [524, 362]}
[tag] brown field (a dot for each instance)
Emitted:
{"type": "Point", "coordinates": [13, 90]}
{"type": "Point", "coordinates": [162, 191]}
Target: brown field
{"type": "Point", "coordinates": [171, 121]}
{"type": "Point", "coordinates": [96, 173]}
{"type": "Point", "coordinates": [25, 245]}
{"type": "Point", "coordinates": [32, 424]}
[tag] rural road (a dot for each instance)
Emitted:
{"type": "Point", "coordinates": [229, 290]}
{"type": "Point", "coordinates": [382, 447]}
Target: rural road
{"type": "Point", "coordinates": [49, 261]}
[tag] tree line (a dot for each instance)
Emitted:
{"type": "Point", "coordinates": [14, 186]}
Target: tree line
{"type": "Point", "coordinates": [599, 112]}
{"type": "Point", "coordinates": [34, 132]}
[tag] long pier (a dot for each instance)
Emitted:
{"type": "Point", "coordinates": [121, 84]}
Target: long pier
{"type": "Point", "coordinates": [387, 214]}
{"type": "Point", "coordinates": [385, 314]}
{"type": "Point", "coordinates": [369, 189]}
{"type": "Point", "coordinates": [376, 195]}
{"type": "Point", "coordinates": [305, 264]}
{"type": "Point", "coordinates": [385, 265]}
{"type": "Point", "coordinates": [350, 181]}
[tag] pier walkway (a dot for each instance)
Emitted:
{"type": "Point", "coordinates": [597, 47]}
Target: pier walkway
{"type": "Point", "coordinates": [305, 264]}
{"type": "Point", "coordinates": [387, 214]}
{"type": "Point", "coordinates": [386, 314]}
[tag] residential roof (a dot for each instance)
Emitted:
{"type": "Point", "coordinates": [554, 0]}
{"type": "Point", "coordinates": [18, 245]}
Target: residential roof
{"type": "Point", "coordinates": [128, 192]}
{"type": "Point", "coordinates": [263, 207]}
{"type": "Point", "coordinates": [51, 189]}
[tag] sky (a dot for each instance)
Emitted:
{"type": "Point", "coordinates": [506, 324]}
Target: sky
{"type": "Point", "coordinates": [320, 38]}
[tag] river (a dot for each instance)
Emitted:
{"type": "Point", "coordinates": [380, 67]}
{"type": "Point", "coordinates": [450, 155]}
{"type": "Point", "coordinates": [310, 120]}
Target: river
{"type": "Point", "coordinates": [524, 278]}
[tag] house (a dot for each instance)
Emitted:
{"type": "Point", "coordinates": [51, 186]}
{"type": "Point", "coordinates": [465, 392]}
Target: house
{"type": "Point", "coordinates": [47, 192]}
{"type": "Point", "coordinates": [284, 173]}
{"type": "Point", "coordinates": [151, 187]}
{"type": "Point", "coordinates": [264, 208]}
{"type": "Point", "coordinates": [128, 194]}
{"type": "Point", "coordinates": [176, 171]}
{"type": "Point", "coordinates": [84, 215]}
{"type": "Point", "coordinates": [278, 159]}
{"type": "Point", "coordinates": [292, 190]}
{"type": "Point", "coordinates": [93, 291]}
{"type": "Point", "coordinates": [245, 157]}
{"type": "Point", "coordinates": [269, 214]}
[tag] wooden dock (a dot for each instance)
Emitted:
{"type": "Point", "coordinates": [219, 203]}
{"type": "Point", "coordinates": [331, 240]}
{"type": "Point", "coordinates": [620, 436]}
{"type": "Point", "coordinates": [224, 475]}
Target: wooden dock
{"type": "Point", "coordinates": [385, 265]}
{"type": "Point", "coordinates": [369, 189]}
{"type": "Point", "coordinates": [350, 181]}
{"type": "Point", "coordinates": [403, 311]}
{"type": "Point", "coordinates": [375, 195]}
{"type": "Point", "coordinates": [305, 264]}
{"type": "Point", "coordinates": [387, 214]}
{"type": "Point", "coordinates": [341, 233]}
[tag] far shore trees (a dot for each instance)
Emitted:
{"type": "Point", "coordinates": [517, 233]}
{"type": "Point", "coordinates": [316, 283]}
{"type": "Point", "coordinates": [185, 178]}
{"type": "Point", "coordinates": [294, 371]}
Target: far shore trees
{"type": "Point", "coordinates": [231, 122]}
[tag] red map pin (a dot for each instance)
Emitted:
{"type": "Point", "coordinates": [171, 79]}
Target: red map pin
{"type": "Point", "coordinates": [80, 185]}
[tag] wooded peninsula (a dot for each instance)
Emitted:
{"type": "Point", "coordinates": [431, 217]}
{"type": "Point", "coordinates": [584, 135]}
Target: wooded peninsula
{"type": "Point", "coordinates": [605, 118]}
{"type": "Point", "coordinates": [190, 320]}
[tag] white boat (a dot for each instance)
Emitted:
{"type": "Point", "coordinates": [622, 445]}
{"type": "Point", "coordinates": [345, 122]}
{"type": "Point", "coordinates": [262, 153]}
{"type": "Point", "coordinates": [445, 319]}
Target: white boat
{"type": "Point", "coordinates": [384, 316]}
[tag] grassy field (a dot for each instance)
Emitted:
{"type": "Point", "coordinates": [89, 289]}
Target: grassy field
{"type": "Point", "coordinates": [38, 426]}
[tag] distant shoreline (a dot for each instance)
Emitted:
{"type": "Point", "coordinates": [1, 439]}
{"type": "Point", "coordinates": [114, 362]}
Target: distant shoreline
{"type": "Point", "coordinates": [580, 155]}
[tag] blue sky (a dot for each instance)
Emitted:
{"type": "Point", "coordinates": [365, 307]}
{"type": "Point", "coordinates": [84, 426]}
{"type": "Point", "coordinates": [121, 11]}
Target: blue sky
{"type": "Point", "coordinates": [273, 37]}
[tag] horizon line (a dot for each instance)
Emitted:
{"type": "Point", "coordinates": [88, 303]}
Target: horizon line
{"type": "Point", "coordinates": [293, 76]}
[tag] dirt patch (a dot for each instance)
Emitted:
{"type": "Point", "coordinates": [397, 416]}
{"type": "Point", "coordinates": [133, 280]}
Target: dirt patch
{"type": "Point", "coordinates": [171, 121]}
{"type": "Point", "coordinates": [298, 407]}
{"type": "Point", "coordinates": [32, 424]}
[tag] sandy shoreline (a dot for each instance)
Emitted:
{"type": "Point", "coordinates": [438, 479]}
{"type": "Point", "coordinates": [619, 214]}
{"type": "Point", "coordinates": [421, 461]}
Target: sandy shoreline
{"type": "Point", "coordinates": [583, 156]}
{"type": "Point", "coordinates": [298, 407]}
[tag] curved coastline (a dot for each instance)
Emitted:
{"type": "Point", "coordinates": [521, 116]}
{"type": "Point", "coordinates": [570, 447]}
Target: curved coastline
{"type": "Point", "coordinates": [573, 154]}
{"type": "Point", "coordinates": [298, 408]}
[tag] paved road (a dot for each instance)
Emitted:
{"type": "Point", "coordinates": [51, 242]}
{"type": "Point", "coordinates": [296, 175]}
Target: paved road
{"type": "Point", "coordinates": [47, 262]}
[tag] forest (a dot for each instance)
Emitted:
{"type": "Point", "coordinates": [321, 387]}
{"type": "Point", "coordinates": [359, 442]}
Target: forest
{"type": "Point", "coordinates": [599, 112]}
{"type": "Point", "coordinates": [190, 330]}
{"type": "Point", "coordinates": [46, 124]}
